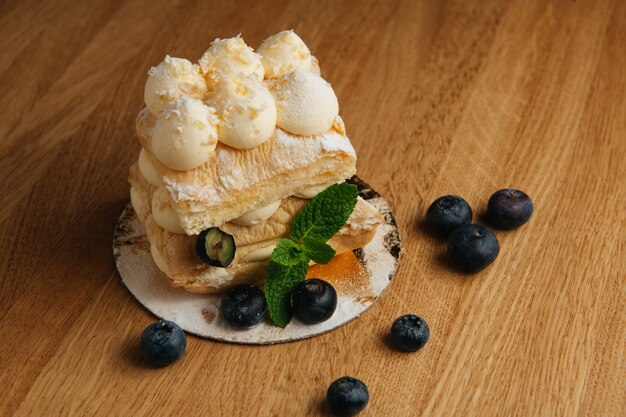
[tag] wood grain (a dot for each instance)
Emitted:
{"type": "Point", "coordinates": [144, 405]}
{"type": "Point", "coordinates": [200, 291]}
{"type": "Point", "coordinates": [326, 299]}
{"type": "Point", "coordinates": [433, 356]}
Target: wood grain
{"type": "Point", "coordinates": [439, 97]}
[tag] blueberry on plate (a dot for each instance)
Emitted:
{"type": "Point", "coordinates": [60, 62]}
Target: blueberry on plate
{"type": "Point", "coordinates": [347, 396]}
{"type": "Point", "coordinates": [509, 209]}
{"type": "Point", "coordinates": [163, 343]}
{"type": "Point", "coordinates": [215, 247]}
{"type": "Point", "coordinates": [314, 301]}
{"type": "Point", "coordinates": [473, 247]}
{"type": "Point", "coordinates": [447, 213]}
{"type": "Point", "coordinates": [409, 333]}
{"type": "Point", "coordinates": [243, 306]}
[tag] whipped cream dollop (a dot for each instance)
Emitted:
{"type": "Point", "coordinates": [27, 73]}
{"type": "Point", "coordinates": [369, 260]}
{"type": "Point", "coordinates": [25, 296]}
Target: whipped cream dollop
{"type": "Point", "coordinates": [285, 52]}
{"type": "Point", "coordinates": [306, 103]}
{"type": "Point", "coordinates": [171, 79]}
{"type": "Point", "coordinates": [185, 134]}
{"type": "Point", "coordinates": [260, 254]}
{"type": "Point", "coordinates": [148, 170]}
{"type": "Point", "coordinates": [159, 261]}
{"type": "Point", "coordinates": [258, 215]}
{"type": "Point", "coordinates": [230, 57]}
{"type": "Point", "coordinates": [246, 110]}
{"type": "Point", "coordinates": [163, 212]}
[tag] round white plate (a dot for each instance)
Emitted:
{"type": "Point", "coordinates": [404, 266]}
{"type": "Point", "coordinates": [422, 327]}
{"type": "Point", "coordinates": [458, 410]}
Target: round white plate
{"type": "Point", "coordinates": [199, 313]}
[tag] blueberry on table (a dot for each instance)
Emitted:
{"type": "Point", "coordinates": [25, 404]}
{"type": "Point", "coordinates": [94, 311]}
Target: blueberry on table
{"type": "Point", "coordinates": [509, 209]}
{"type": "Point", "coordinates": [163, 343]}
{"type": "Point", "coordinates": [347, 396]}
{"type": "Point", "coordinates": [473, 247]}
{"type": "Point", "coordinates": [448, 213]}
{"type": "Point", "coordinates": [314, 301]}
{"type": "Point", "coordinates": [243, 306]}
{"type": "Point", "coordinates": [215, 247]}
{"type": "Point", "coordinates": [409, 333]}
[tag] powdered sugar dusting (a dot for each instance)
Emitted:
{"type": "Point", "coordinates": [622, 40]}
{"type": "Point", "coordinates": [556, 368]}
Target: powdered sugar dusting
{"type": "Point", "coordinates": [289, 152]}
{"type": "Point", "coordinates": [333, 141]}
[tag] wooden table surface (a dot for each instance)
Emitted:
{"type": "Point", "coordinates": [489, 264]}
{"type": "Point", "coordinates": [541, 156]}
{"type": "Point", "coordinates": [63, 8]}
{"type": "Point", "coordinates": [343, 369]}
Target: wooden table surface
{"type": "Point", "coordinates": [443, 97]}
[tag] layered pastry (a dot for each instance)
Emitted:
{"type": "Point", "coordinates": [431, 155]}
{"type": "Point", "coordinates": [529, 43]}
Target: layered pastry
{"type": "Point", "coordinates": [233, 147]}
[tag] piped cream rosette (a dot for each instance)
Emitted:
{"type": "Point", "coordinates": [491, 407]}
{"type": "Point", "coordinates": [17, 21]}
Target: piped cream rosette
{"type": "Point", "coordinates": [224, 98]}
{"type": "Point", "coordinates": [285, 52]}
{"type": "Point", "coordinates": [306, 103]}
{"type": "Point", "coordinates": [230, 57]}
{"type": "Point", "coordinates": [185, 134]}
{"type": "Point", "coordinates": [170, 80]}
{"type": "Point", "coordinates": [246, 110]}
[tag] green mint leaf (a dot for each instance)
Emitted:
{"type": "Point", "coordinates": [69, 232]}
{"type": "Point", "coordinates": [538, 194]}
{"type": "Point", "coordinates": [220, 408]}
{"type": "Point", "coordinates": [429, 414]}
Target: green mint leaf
{"type": "Point", "coordinates": [325, 214]}
{"type": "Point", "coordinates": [320, 220]}
{"type": "Point", "coordinates": [287, 253]}
{"type": "Point", "coordinates": [280, 282]}
{"type": "Point", "coordinates": [317, 250]}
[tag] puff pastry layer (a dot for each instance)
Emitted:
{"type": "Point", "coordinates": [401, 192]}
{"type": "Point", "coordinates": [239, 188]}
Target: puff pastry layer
{"type": "Point", "coordinates": [175, 253]}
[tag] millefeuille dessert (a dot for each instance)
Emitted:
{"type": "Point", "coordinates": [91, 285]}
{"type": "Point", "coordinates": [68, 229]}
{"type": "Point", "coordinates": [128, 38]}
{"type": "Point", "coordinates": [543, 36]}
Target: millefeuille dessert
{"type": "Point", "coordinates": [233, 147]}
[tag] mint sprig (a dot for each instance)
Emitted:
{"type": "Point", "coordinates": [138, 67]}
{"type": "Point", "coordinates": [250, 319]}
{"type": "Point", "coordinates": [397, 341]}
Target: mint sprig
{"type": "Point", "coordinates": [317, 250]}
{"type": "Point", "coordinates": [316, 223]}
{"type": "Point", "coordinates": [325, 214]}
{"type": "Point", "coordinates": [280, 282]}
{"type": "Point", "coordinates": [288, 253]}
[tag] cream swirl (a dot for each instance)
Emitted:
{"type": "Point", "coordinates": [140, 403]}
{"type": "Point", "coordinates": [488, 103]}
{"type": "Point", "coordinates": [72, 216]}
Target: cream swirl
{"type": "Point", "coordinates": [285, 52]}
{"type": "Point", "coordinates": [185, 134]}
{"type": "Point", "coordinates": [163, 212]}
{"type": "Point", "coordinates": [170, 80]}
{"type": "Point", "coordinates": [306, 103]}
{"type": "Point", "coordinates": [246, 110]}
{"type": "Point", "coordinates": [148, 170]}
{"type": "Point", "coordinates": [256, 216]}
{"type": "Point", "coordinates": [230, 57]}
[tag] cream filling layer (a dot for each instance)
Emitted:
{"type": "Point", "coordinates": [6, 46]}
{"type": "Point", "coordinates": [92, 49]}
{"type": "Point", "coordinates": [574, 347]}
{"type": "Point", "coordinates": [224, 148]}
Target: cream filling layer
{"type": "Point", "coordinates": [309, 193]}
{"type": "Point", "coordinates": [158, 259]}
{"type": "Point", "coordinates": [148, 170]}
{"type": "Point", "coordinates": [258, 215]}
{"type": "Point", "coordinates": [166, 216]}
{"type": "Point", "coordinates": [260, 254]}
{"type": "Point", "coordinates": [163, 212]}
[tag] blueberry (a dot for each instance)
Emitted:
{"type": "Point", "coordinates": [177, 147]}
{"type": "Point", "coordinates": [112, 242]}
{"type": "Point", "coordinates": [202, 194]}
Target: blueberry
{"type": "Point", "coordinates": [509, 209]}
{"type": "Point", "coordinates": [163, 343]}
{"type": "Point", "coordinates": [447, 213]}
{"type": "Point", "coordinates": [409, 333]}
{"type": "Point", "coordinates": [314, 301]}
{"type": "Point", "coordinates": [347, 396]}
{"type": "Point", "coordinates": [215, 247]}
{"type": "Point", "coordinates": [473, 247]}
{"type": "Point", "coordinates": [243, 306]}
